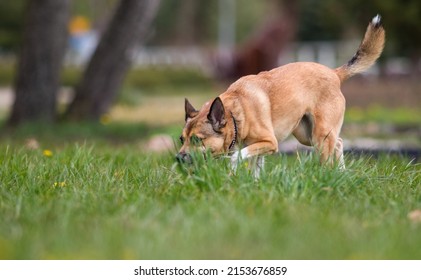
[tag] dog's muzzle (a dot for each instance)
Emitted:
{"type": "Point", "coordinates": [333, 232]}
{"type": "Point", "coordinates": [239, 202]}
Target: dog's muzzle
{"type": "Point", "coordinates": [184, 158]}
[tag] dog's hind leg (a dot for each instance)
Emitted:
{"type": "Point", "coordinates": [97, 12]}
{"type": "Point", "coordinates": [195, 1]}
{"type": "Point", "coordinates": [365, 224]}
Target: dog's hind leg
{"type": "Point", "coordinates": [304, 130]}
{"type": "Point", "coordinates": [325, 143]}
{"type": "Point", "coordinates": [327, 124]}
{"type": "Point", "coordinates": [339, 153]}
{"type": "Point", "coordinates": [330, 147]}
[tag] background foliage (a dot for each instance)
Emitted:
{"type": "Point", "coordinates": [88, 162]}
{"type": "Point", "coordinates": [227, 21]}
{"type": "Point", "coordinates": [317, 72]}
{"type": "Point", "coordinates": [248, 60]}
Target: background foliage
{"type": "Point", "coordinates": [318, 20]}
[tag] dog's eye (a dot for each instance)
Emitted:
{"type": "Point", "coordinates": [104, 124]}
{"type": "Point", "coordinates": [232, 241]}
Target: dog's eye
{"type": "Point", "coordinates": [182, 140]}
{"type": "Point", "coordinates": [195, 140]}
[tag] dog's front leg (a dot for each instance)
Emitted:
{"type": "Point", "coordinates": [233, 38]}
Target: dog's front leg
{"type": "Point", "coordinates": [257, 164]}
{"type": "Point", "coordinates": [257, 149]}
{"type": "Point", "coordinates": [237, 157]}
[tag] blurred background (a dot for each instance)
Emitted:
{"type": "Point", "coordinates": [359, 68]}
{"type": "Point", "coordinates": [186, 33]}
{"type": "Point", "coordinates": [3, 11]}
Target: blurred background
{"type": "Point", "coordinates": [132, 62]}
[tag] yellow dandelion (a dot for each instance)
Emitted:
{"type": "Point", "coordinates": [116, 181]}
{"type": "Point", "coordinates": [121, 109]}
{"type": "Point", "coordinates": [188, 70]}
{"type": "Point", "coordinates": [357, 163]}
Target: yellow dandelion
{"type": "Point", "coordinates": [59, 184]}
{"type": "Point", "coordinates": [47, 153]}
{"type": "Point", "coordinates": [105, 119]}
{"type": "Point", "coordinates": [119, 174]}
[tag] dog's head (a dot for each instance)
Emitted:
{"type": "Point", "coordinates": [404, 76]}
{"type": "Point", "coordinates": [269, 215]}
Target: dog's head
{"type": "Point", "coordinates": [206, 130]}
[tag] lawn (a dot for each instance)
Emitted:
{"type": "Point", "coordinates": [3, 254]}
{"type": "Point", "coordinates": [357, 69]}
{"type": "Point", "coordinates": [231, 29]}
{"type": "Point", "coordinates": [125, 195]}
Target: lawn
{"type": "Point", "coordinates": [101, 196]}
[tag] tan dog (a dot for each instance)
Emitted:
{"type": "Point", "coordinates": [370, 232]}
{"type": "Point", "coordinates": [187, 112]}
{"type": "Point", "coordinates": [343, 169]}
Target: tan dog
{"type": "Point", "coordinates": [258, 111]}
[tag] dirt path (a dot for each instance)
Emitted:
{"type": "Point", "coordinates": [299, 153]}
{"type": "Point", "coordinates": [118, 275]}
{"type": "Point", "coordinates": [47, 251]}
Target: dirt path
{"type": "Point", "coordinates": [6, 98]}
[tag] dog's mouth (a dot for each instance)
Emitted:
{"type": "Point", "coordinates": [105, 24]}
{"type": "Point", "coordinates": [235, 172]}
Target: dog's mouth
{"type": "Point", "coordinates": [195, 156]}
{"type": "Point", "coordinates": [202, 156]}
{"type": "Point", "coordinates": [184, 158]}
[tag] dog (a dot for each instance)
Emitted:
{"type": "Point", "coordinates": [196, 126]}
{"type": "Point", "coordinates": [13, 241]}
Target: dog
{"type": "Point", "coordinates": [258, 111]}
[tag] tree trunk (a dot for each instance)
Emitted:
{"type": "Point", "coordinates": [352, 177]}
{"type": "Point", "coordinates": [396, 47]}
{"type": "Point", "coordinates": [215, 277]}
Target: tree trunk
{"type": "Point", "coordinates": [112, 58]}
{"type": "Point", "coordinates": [41, 56]}
{"type": "Point", "coordinates": [185, 22]}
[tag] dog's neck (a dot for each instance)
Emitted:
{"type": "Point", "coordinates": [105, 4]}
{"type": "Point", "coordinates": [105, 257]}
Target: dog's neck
{"type": "Point", "coordinates": [234, 140]}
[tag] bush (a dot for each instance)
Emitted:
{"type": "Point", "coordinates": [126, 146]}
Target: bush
{"type": "Point", "coordinates": [7, 73]}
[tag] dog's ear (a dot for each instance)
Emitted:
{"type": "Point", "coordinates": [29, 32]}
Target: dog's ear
{"type": "Point", "coordinates": [190, 110]}
{"type": "Point", "coordinates": [216, 115]}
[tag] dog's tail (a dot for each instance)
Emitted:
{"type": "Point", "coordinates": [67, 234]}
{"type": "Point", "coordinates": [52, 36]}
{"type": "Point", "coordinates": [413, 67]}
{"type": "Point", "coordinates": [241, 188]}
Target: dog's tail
{"type": "Point", "coordinates": [368, 52]}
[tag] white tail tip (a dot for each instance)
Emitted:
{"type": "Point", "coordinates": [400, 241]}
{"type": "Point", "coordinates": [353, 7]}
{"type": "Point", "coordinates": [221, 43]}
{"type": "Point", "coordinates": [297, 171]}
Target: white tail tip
{"type": "Point", "coordinates": [376, 20]}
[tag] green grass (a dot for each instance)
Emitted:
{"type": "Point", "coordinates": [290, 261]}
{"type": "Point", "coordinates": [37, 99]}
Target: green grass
{"type": "Point", "coordinates": [381, 115]}
{"type": "Point", "coordinates": [102, 201]}
{"type": "Point", "coordinates": [92, 133]}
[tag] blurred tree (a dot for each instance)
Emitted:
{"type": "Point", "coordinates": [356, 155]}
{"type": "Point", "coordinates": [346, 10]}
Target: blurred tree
{"type": "Point", "coordinates": [41, 56]}
{"type": "Point", "coordinates": [321, 20]}
{"type": "Point", "coordinates": [111, 59]}
{"type": "Point", "coordinates": [11, 24]}
{"type": "Point", "coordinates": [186, 22]}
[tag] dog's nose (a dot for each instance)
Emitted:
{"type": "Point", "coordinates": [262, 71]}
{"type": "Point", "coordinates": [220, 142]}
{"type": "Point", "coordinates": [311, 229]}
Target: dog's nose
{"type": "Point", "coordinates": [183, 158]}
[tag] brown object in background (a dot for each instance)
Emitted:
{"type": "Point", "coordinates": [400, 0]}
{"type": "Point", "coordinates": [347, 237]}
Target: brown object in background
{"type": "Point", "coordinates": [262, 50]}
